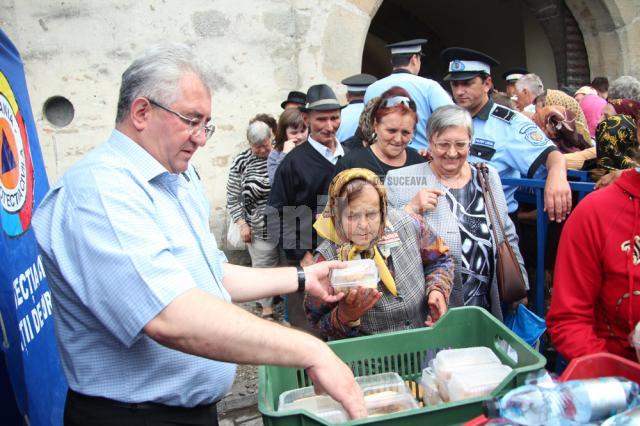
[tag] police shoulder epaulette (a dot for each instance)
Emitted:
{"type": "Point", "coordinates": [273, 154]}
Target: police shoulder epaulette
{"type": "Point", "coordinates": [195, 170]}
{"type": "Point", "coordinates": [504, 114]}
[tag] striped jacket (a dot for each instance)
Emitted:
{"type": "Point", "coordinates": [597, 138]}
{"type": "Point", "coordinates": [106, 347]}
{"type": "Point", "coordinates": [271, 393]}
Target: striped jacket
{"type": "Point", "coordinates": [247, 191]}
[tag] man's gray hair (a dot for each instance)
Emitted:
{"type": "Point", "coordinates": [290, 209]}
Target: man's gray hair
{"type": "Point", "coordinates": [532, 82]}
{"type": "Point", "coordinates": [156, 75]}
{"type": "Point", "coordinates": [257, 132]}
{"type": "Point", "coordinates": [449, 116]}
{"type": "Point", "coordinates": [625, 87]}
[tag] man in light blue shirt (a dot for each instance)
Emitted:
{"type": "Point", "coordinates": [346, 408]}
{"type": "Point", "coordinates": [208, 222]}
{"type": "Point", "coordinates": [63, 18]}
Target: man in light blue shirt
{"type": "Point", "coordinates": [504, 138]}
{"type": "Point", "coordinates": [350, 115]}
{"type": "Point", "coordinates": [141, 292]}
{"type": "Point", "coordinates": [427, 94]}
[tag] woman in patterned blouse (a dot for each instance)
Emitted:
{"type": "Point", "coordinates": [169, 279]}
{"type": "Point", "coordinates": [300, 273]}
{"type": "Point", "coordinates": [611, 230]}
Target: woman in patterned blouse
{"type": "Point", "coordinates": [416, 271]}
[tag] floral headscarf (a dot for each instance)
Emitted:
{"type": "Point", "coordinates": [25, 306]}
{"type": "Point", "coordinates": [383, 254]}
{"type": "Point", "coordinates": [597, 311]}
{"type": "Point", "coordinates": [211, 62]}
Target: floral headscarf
{"type": "Point", "coordinates": [626, 106]}
{"type": "Point", "coordinates": [559, 98]}
{"type": "Point", "coordinates": [328, 224]}
{"type": "Point", "coordinates": [616, 143]}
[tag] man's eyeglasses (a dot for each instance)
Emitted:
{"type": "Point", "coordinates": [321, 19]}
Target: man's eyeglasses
{"type": "Point", "coordinates": [398, 100]}
{"type": "Point", "coordinates": [196, 125]}
{"type": "Point", "coordinates": [445, 146]}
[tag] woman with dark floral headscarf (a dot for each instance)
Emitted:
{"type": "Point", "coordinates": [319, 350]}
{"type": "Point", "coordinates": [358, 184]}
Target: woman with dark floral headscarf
{"type": "Point", "coordinates": [622, 106]}
{"type": "Point", "coordinates": [616, 143]}
{"type": "Point", "coordinates": [414, 265]}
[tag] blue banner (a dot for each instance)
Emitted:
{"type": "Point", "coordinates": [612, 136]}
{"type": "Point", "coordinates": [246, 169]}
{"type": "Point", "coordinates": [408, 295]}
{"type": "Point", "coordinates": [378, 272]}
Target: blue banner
{"type": "Point", "coordinates": [26, 324]}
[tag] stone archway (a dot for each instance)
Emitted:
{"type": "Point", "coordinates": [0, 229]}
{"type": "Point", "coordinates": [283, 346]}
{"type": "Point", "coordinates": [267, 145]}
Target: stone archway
{"type": "Point", "coordinates": [586, 37]}
{"type": "Point", "coordinates": [611, 34]}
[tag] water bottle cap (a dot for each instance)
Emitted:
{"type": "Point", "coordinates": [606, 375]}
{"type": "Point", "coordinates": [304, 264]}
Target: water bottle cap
{"type": "Point", "coordinates": [491, 408]}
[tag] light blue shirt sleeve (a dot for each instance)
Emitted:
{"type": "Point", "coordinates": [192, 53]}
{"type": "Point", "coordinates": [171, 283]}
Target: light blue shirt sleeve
{"type": "Point", "coordinates": [113, 242]}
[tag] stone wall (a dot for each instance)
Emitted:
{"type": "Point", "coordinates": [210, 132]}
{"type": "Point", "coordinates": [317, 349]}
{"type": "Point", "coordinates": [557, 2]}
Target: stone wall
{"type": "Point", "coordinates": [259, 51]}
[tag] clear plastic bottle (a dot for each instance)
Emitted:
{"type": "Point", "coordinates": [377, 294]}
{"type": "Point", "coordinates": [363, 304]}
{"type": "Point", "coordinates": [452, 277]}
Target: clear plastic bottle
{"type": "Point", "coordinates": [628, 418]}
{"type": "Point", "coordinates": [580, 401]}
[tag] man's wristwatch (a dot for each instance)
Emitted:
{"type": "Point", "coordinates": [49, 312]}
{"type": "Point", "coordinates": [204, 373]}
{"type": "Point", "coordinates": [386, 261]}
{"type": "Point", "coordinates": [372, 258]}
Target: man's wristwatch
{"type": "Point", "coordinates": [302, 280]}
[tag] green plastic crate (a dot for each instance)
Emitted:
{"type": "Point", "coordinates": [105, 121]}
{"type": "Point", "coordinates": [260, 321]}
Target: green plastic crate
{"type": "Point", "coordinates": [406, 353]}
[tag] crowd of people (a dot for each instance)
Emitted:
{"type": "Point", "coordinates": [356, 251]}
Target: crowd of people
{"type": "Point", "coordinates": [143, 296]}
{"type": "Point", "coordinates": [406, 168]}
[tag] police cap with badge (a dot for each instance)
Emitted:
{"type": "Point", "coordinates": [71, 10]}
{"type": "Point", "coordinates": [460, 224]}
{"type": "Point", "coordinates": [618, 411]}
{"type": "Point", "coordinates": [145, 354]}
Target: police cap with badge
{"type": "Point", "coordinates": [464, 64]}
{"type": "Point", "coordinates": [359, 82]}
{"type": "Point", "coordinates": [409, 47]}
{"type": "Point", "coordinates": [513, 74]}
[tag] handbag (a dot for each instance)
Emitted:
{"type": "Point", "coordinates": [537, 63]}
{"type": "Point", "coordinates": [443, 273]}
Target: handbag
{"type": "Point", "coordinates": [234, 239]}
{"type": "Point", "coordinates": [511, 284]}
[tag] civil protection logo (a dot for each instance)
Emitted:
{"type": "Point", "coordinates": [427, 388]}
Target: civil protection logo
{"type": "Point", "coordinates": [16, 180]}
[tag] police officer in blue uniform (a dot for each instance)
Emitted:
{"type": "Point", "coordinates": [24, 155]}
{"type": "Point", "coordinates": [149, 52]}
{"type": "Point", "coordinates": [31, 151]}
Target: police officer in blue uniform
{"type": "Point", "coordinates": [504, 138]}
{"type": "Point", "coordinates": [356, 86]}
{"type": "Point", "coordinates": [510, 77]}
{"type": "Point", "coordinates": [427, 94]}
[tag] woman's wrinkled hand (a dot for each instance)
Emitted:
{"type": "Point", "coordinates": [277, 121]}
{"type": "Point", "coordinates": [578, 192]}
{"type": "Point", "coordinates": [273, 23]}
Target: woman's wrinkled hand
{"type": "Point", "coordinates": [437, 307]}
{"type": "Point", "coordinates": [608, 179]}
{"type": "Point", "coordinates": [356, 303]}
{"type": "Point", "coordinates": [245, 233]}
{"type": "Point", "coordinates": [425, 200]}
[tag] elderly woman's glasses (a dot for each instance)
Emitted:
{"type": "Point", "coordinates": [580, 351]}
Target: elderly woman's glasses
{"type": "Point", "coordinates": [398, 100]}
{"type": "Point", "coordinates": [445, 146]}
{"type": "Point", "coordinates": [195, 125]}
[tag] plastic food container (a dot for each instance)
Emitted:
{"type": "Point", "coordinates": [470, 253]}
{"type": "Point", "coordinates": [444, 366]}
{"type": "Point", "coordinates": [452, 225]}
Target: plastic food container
{"type": "Point", "coordinates": [450, 360]}
{"type": "Point", "coordinates": [476, 382]}
{"type": "Point", "coordinates": [385, 382]}
{"type": "Point", "coordinates": [430, 393]}
{"type": "Point", "coordinates": [322, 406]}
{"type": "Point", "coordinates": [358, 273]}
{"type": "Point", "coordinates": [388, 402]}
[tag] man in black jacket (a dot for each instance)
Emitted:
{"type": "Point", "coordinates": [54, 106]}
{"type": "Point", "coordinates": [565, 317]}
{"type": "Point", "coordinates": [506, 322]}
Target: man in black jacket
{"type": "Point", "coordinates": [300, 185]}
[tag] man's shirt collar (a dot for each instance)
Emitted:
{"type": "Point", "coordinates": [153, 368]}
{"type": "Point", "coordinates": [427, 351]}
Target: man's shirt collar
{"type": "Point", "coordinates": [326, 152]}
{"type": "Point", "coordinates": [484, 112]}
{"type": "Point", "coordinates": [143, 162]}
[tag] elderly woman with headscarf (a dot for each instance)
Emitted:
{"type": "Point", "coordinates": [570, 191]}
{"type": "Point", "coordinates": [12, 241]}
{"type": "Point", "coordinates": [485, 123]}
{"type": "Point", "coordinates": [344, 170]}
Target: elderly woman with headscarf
{"type": "Point", "coordinates": [593, 108]}
{"type": "Point", "coordinates": [447, 192]}
{"type": "Point", "coordinates": [247, 191]}
{"type": "Point", "coordinates": [617, 143]}
{"type": "Point", "coordinates": [561, 119]}
{"type": "Point", "coordinates": [414, 265]}
{"type": "Point", "coordinates": [364, 133]}
{"type": "Point", "coordinates": [622, 106]}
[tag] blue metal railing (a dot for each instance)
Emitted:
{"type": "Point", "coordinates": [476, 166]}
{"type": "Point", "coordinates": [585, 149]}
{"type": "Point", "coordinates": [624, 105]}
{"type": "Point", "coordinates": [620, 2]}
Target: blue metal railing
{"type": "Point", "coordinates": [582, 187]}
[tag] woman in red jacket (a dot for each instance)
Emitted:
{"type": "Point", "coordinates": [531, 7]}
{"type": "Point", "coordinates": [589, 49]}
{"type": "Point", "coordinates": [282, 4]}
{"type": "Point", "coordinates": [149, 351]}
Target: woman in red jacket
{"type": "Point", "coordinates": [596, 291]}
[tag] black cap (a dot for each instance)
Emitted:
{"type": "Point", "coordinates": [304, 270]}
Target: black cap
{"type": "Point", "coordinates": [465, 64]}
{"type": "Point", "coordinates": [320, 97]}
{"type": "Point", "coordinates": [513, 74]}
{"type": "Point", "coordinates": [294, 97]}
{"type": "Point", "coordinates": [359, 82]}
{"type": "Point", "coordinates": [491, 408]}
{"type": "Point", "coordinates": [408, 47]}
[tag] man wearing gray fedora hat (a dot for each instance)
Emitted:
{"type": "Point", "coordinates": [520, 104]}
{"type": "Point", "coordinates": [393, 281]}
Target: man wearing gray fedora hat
{"type": "Point", "coordinates": [299, 189]}
{"type": "Point", "coordinates": [303, 177]}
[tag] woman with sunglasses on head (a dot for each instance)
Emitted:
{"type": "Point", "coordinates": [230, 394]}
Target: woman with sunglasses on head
{"type": "Point", "coordinates": [446, 192]}
{"type": "Point", "coordinates": [394, 121]}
